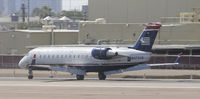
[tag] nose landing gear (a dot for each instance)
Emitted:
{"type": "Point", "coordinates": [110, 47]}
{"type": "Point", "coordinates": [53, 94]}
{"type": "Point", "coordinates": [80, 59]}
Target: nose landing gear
{"type": "Point", "coordinates": [30, 73]}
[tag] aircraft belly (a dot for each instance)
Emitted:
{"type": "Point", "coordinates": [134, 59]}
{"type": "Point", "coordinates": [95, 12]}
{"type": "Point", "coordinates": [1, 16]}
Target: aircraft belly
{"type": "Point", "coordinates": [105, 68]}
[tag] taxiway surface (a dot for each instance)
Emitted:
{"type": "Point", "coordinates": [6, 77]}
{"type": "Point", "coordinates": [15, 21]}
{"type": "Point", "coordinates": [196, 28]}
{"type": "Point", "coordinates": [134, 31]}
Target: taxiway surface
{"type": "Point", "coordinates": [118, 88]}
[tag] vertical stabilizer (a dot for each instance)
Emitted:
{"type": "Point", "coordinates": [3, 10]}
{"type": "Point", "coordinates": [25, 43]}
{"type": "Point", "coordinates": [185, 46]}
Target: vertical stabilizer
{"type": "Point", "coordinates": [147, 38]}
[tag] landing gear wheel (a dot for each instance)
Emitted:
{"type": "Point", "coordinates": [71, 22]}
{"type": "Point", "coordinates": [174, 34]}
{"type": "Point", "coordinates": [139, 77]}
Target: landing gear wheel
{"type": "Point", "coordinates": [80, 77]}
{"type": "Point", "coordinates": [30, 73]}
{"type": "Point", "coordinates": [30, 76]}
{"type": "Point", "coordinates": [101, 76]}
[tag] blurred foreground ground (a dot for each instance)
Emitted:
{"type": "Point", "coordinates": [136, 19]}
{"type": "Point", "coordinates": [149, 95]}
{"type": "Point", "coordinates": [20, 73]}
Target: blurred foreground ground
{"type": "Point", "coordinates": [159, 74]}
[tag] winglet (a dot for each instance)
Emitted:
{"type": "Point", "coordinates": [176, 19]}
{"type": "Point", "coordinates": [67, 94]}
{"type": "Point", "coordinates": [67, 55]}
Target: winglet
{"type": "Point", "coordinates": [178, 58]}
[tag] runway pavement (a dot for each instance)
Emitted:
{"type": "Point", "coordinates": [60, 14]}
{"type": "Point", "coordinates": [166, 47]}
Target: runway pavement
{"type": "Point", "coordinates": [92, 88]}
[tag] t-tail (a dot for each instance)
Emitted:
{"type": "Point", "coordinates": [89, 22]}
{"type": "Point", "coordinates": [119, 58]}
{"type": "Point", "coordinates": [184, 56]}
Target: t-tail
{"type": "Point", "coordinates": [147, 38]}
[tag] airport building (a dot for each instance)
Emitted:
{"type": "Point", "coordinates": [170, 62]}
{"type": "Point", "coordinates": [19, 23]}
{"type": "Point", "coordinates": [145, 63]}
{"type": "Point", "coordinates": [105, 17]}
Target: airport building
{"type": "Point", "coordinates": [127, 33]}
{"type": "Point", "coordinates": [15, 42]}
{"type": "Point", "coordinates": [138, 11]}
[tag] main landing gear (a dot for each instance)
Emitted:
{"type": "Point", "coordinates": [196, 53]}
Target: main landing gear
{"type": "Point", "coordinates": [101, 76]}
{"type": "Point", "coordinates": [80, 77]}
{"type": "Point", "coordinates": [30, 73]}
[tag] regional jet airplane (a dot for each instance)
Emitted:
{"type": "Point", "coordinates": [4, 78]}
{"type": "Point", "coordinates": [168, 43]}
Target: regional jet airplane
{"type": "Point", "coordinates": [104, 60]}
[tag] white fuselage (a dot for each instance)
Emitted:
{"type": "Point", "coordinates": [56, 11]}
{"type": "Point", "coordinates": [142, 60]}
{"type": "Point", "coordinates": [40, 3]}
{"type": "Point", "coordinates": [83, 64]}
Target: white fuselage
{"type": "Point", "coordinates": [81, 56]}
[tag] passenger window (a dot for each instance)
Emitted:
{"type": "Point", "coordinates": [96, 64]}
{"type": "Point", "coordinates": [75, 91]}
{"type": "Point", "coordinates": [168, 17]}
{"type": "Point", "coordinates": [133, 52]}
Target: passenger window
{"type": "Point", "coordinates": [61, 56]}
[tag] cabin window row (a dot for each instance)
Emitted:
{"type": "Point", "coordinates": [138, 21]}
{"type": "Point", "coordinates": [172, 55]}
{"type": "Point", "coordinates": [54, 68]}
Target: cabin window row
{"type": "Point", "coordinates": [63, 56]}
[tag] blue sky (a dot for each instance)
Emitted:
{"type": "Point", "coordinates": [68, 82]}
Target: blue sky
{"type": "Point", "coordinates": [73, 4]}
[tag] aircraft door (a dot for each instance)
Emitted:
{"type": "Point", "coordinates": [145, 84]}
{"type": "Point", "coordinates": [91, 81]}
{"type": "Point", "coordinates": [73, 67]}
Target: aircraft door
{"type": "Point", "coordinates": [128, 59]}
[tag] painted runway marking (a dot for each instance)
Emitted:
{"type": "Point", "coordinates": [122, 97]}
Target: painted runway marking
{"type": "Point", "coordinates": [100, 86]}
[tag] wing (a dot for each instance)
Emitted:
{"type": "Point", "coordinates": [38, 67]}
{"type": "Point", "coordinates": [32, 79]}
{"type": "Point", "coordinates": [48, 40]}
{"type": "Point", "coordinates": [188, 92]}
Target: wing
{"type": "Point", "coordinates": [143, 67]}
{"type": "Point", "coordinates": [40, 67]}
{"type": "Point", "coordinates": [167, 64]}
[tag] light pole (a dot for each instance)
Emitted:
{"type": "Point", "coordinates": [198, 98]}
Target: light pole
{"type": "Point", "coordinates": [28, 11]}
{"type": "Point", "coordinates": [52, 36]}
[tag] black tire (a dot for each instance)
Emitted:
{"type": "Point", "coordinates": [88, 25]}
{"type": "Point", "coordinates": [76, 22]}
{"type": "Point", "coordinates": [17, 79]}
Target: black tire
{"type": "Point", "coordinates": [30, 77]}
{"type": "Point", "coordinates": [80, 77]}
{"type": "Point", "coordinates": [101, 76]}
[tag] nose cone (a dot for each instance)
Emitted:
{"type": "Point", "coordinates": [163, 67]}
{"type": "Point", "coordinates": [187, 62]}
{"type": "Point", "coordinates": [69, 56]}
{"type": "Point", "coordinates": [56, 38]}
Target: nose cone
{"type": "Point", "coordinates": [21, 63]}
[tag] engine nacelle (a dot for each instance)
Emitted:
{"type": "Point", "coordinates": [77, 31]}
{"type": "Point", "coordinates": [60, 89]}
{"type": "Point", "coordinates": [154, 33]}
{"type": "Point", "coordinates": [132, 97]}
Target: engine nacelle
{"type": "Point", "coordinates": [103, 53]}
